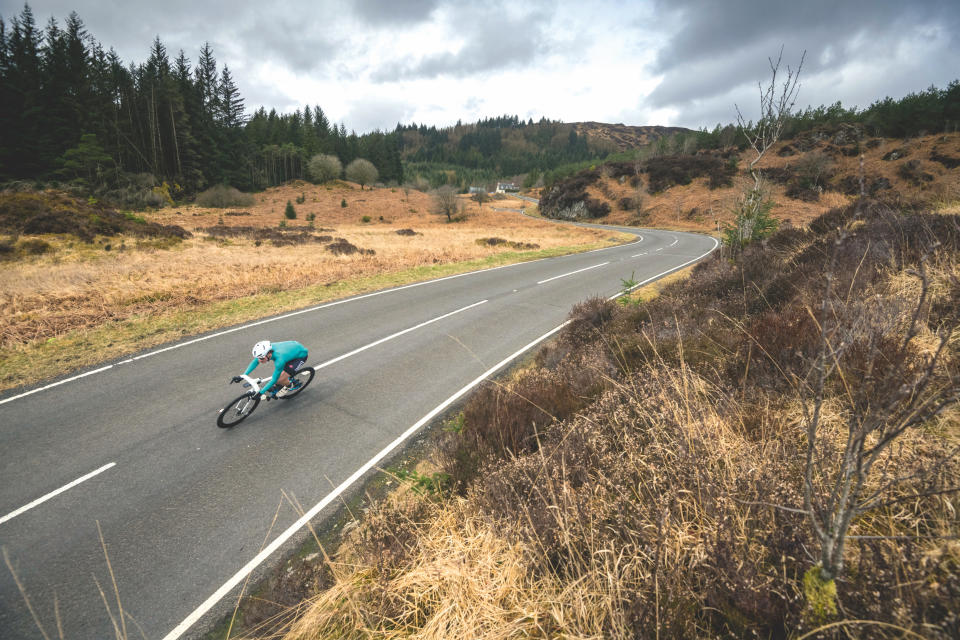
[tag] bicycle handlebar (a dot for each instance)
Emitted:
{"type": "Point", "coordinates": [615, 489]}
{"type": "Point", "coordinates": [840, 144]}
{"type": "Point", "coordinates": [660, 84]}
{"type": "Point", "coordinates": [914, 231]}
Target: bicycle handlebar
{"type": "Point", "coordinates": [254, 383]}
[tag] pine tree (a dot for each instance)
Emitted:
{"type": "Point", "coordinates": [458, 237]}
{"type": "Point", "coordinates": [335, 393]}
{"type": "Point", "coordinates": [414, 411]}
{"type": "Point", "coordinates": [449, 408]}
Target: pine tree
{"type": "Point", "coordinates": [231, 103]}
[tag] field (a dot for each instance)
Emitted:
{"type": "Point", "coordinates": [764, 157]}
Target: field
{"type": "Point", "coordinates": [77, 303]}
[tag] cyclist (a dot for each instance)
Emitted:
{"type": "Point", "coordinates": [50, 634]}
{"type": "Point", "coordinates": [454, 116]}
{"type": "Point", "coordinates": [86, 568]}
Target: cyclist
{"type": "Point", "coordinates": [288, 356]}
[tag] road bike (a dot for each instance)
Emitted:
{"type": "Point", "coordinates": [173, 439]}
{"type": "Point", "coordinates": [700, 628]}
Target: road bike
{"type": "Point", "coordinates": [241, 408]}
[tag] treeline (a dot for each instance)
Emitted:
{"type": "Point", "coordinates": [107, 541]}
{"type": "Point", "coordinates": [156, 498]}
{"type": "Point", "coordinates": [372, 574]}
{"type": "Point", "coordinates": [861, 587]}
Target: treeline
{"type": "Point", "coordinates": [502, 146]}
{"type": "Point", "coordinates": [74, 112]}
{"type": "Point", "coordinates": [916, 114]}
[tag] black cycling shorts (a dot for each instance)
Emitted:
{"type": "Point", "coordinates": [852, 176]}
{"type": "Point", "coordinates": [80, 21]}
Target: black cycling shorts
{"type": "Point", "coordinates": [292, 366]}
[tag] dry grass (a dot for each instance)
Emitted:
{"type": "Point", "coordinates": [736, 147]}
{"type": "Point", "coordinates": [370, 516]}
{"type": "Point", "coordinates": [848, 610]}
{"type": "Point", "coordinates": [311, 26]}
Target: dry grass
{"type": "Point", "coordinates": [80, 288]}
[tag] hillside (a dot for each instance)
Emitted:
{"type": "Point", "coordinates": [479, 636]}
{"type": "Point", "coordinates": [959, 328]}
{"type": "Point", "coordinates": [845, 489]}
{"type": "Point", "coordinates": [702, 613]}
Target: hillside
{"type": "Point", "coordinates": [623, 137]}
{"type": "Point", "coordinates": [808, 175]}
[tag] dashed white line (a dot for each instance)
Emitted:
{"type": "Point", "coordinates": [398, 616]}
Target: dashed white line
{"type": "Point", "coordinates": [52, 494]}
{"type": "Point", "coordinates": [667, 272]}
{"type": "Point", "coordinates": [564, 275]}
{"type": "Point", "coordinates": [395, 335]}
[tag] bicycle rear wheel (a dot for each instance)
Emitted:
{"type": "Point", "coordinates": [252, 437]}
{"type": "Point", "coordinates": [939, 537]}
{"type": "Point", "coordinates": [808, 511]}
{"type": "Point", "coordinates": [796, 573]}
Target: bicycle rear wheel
{"type": "Point", "coordinates": [303, 376]}
{"type": "Point", "coordinates": [237, 411]}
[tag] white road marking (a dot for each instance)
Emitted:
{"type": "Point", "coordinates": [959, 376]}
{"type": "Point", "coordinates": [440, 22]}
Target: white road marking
{"type": "Point", "coordinates": [564, 275]}
{"type": "Point", "coordinates": [639, 254]}
{"type": "Point", "coordinates": [66, 487]}
{"type": "Point", "coordinates": [394, 335]}
{"type": "Point", "coordinates": [240, 575]}
{"type": "Point", "coordinates": [667, 272]}
{"type": "Point", "coordinates": [57, 384]}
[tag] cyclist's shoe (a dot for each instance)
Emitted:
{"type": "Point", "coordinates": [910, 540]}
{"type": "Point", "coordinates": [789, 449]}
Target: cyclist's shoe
{"type": "Point", "coordinates": [279, 393]}
{"type": "Point", "coordinates": [294, 384]}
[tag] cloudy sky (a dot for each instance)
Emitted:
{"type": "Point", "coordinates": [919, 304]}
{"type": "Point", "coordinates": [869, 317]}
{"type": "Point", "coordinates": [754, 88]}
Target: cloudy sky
{"type": "Point", "coordinates": [373, 63]}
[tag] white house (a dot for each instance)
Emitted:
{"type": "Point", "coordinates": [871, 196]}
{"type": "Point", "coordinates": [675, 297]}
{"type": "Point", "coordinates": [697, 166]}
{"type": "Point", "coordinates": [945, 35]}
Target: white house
{"type": "Point", "coordinates": [503, 187]}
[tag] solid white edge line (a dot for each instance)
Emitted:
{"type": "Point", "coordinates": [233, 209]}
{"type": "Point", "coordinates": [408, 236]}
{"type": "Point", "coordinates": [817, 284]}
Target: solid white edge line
{"type": "Point", "coordinates": [240, 575]}
{"type": "Point", "coordinates": [564, 275]}
{"type": "Point", "coordinates": [56, 384]}
{"type": "Point", "coordinates": [66, 487]}
{"type": "Point", "coordinates": [668, 271]}
{"type": "Point", "coordinates": [392, 336]}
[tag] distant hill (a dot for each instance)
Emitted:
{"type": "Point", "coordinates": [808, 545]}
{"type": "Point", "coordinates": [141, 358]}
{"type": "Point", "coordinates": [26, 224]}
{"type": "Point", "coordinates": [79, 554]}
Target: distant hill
{"type": "Point", "coordinates": [507, 146]}
{"type": "Point", "coordinates": [625, 137]}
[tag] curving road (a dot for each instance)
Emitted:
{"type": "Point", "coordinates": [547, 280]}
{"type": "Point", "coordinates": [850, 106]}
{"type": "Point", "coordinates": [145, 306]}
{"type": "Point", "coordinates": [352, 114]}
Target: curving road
{"type": "Point", "coordinates": [186, 511]}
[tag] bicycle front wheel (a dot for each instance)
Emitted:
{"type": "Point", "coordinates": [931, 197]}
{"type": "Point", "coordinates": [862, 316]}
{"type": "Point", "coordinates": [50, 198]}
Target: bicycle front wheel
{"type": "Point", "coordinates": [237, 411]}
{"type": "Point", "coordinates": [304, 375]}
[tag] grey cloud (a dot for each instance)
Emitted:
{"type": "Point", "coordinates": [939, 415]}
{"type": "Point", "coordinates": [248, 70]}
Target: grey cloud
{"type": "Point", "coordinates": [493, 41]}
{"type": "Point", "coordinates": [394, 12]}
{"type": "Point", "coordinates": [371, 114]}
{"type": "Point", "coordinates": [301, 45]}
{"type": "Point", "coordinates": [721, 49]}
{"type": "Point", "coordinates": [710, 29]}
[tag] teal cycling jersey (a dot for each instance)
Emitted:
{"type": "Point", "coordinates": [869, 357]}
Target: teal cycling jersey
{"type": "Point", "coordinates": [283, 352]}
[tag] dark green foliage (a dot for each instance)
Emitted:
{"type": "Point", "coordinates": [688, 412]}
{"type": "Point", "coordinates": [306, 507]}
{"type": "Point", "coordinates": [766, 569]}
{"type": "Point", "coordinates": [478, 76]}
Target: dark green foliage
{"type": "Point", "coordinates": [290, 213]}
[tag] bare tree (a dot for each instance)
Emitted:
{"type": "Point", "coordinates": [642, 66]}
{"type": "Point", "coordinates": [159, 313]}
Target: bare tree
{"type": "Point", "coordinates": [774, 112]}
{"type": "Point", "coordinates": [890, 387]}
{"type": "Point", "coordinates": [445, 201]}
{"type": "Point", "coordinates": [752, 213]}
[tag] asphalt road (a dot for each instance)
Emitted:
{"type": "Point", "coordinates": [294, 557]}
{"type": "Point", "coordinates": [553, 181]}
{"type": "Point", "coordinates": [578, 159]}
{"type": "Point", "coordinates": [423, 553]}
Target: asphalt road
{"type": "Point", "coordinates": [129, 458]}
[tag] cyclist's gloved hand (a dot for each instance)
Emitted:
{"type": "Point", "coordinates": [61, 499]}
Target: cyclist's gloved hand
{"type": "Point", "coordinates": [236, 379]}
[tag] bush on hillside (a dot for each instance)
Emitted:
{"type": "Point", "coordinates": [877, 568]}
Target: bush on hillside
{"type": "Point", "coordinates": [324, 168]}
{"type": "Point", "coordinates": [223, 196]}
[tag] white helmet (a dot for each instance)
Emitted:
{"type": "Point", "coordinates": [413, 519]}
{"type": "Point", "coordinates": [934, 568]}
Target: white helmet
{"type": "Point", "coordinates": [261, 349]}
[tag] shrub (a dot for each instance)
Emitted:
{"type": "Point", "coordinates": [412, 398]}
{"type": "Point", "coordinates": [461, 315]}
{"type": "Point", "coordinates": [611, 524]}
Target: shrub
{"type": "Point", "coordinates": [222, 196]}
{"type": "Point", "coordinates": [343, 203]}
{"type": "Point", "coordinates": [912, 171]}
{"type": "Point", "coordinates": [362, 172]}
{"type": "Point", "coordinates": [323, 168]}
{"type": "Point", "coordinates": [290, 213]}
{"type": "Point", "coordinates": [34, 246]}
{"type": "Point", "coordinates": [342, 247]}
